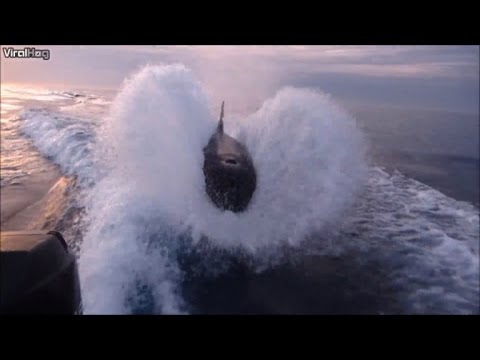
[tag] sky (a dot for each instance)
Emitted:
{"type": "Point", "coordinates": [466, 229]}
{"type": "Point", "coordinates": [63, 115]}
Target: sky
{"type": "Point", "coordinates": [432, 77]}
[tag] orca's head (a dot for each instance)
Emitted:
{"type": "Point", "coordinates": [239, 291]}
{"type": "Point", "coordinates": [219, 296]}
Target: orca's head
{"type": "Point", "coordinates": [230, 177]}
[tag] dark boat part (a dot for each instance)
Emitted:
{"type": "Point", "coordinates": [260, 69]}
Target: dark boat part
{"type": "Point", "coordinates": [38, 275]}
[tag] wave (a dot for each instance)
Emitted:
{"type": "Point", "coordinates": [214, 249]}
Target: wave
{"type": "Point", "coordinates": [147, 209]}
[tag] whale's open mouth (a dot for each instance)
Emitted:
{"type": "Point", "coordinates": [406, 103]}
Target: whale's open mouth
{"type": "Point", "coordinates": [231, 161]}
{"type": "Point", "coordinates": [230, 177]}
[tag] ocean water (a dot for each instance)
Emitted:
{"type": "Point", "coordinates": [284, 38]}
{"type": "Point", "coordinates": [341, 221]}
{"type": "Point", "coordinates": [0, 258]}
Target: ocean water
{"type": "Point", "coordinates": [358, 210]}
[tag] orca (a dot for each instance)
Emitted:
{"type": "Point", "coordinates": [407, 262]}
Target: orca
{"type": "Point", "coordinates": [230, 176]}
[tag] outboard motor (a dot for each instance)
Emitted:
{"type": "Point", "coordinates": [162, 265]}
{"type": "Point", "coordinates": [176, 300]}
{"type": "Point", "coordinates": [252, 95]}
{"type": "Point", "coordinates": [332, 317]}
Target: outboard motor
{"type": "Point", "coordinates": [38, 275]}
{"type": "Point", "coordinates": [230, 177]}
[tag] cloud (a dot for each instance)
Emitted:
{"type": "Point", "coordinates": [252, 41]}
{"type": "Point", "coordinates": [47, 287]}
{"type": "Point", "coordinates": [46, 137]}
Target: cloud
{"type": "Point", "coordinates": [245, 75]}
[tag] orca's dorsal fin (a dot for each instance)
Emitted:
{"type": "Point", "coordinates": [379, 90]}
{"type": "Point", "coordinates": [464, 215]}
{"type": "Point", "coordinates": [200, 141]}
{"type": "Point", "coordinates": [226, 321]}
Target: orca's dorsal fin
{"type": "Point", "coordinates": [220, 123]}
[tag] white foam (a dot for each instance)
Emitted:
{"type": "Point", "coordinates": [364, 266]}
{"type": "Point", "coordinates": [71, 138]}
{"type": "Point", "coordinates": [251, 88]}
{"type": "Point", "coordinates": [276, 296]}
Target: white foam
{"type": "Point", "coordinates": [152, 146]}
{"type": "Point", "coordinates": [146, 163]}
{"type": "Point", "coordinates": [426, 243]}
{"type": "Point", "coordinates": [117, 256]}
{"type": "Point", "coordinates": [68, 141]}
{"type": "Point", "coordinates": [309, 158]}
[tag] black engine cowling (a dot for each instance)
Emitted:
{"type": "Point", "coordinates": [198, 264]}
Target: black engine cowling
{"type": "Point", "coordinates": [38, 274]}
